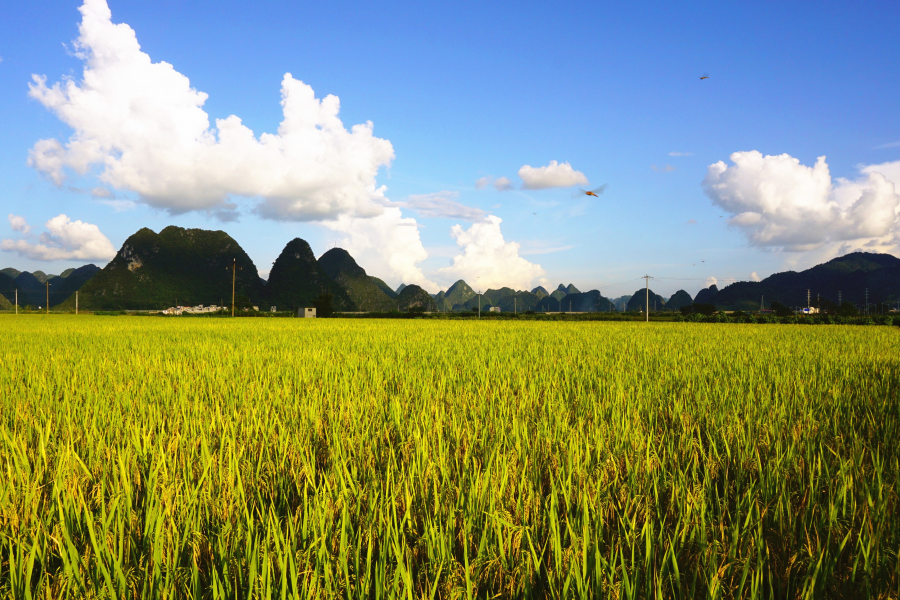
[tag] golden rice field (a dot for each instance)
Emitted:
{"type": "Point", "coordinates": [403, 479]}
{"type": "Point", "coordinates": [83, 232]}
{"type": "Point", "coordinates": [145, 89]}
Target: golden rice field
{"type": "Point", "coordinates": [300, 458]}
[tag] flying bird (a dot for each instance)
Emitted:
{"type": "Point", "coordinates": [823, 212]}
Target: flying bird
{"type": "Point", "coordinates": [595, 192]}
{"type": "Point", "coordinates": [705, 76]}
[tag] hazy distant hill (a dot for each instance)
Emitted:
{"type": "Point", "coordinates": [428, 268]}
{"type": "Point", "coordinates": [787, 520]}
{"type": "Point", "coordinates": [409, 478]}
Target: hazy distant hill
{"type": "Point", "coordinates": [638, 302]}
{"type": "Point", "coordinates": [399, 288]}
{"type": "Point", "coordinates": [10, 272]}
{"type": "Point", "coordinates": [591, 301]}
{"type": "Point", "coordinates": [33, 286]}
{"type": "Point", "coordinates": [540, 292]}
{"type": "Point", "coordinates": [31, 290]}
{"type": "Point", "coordinates": [183, 266]}
{"type": "Point", "coordinates": [508, 300]}
{"type": "Point", "coordinates": [848, 275]}
{"type": "Point", "coordinates": [412, 296]}
{"type": "Point", "coordinates": [296, 279]}
{"type": "Point", "coordinates": [384, 287]}
{"type": "Point", "coordinates": [707, 295]}
{"type": "Point", "coordinates": [558, 294]}
{"type": "Point", "coordinates": [7, 288]}
{"type": "Point", "coordinates": [7, 284]}
{"type": "Point", "coordinates": [679, 299]}
{"type": "Point", "coordinates": [43, 277]}
{"type": "Point", "coordinates": [70, 281]}
{"type": "Point", "coordinates": [362, 290]}
{"type": "Point", "coordinates": [456, 297]}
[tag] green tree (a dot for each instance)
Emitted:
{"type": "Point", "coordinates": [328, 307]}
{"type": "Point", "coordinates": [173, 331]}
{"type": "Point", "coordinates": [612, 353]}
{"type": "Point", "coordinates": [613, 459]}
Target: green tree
{"type": "Point", "coordinates": [847, 310]}
{"type": "Point", "coordinates": [705, 309]}
{"type": "Point", "coordinates": [781, 310]}
{"type": "Point", "coordinates": [324, 306]}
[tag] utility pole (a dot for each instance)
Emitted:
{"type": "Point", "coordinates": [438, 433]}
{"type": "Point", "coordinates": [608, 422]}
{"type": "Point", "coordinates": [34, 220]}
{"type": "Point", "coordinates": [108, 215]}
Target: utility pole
{"type": "Point", "coordinates": [867, 300]}
{"type": "Point", "coordinates": [515, 310]}
{"type": "Point", "coordinates": [479, 304]}
{"type": "Point", "coordinates": [17, 301]}
{"type": "Point", "coordinates": [839, 300]}
{"type": "Point", "coordinates": [48, 297]}
{"type": "Point", "coordinates": [647, 312]}
{"type": "Point", "coordinates": [762, 305]}
{"type": "Point", "coordinates": [76, 302]}
{"type": "Point", "coordinates": [807, 301]}
{"type": "Point", "coordinates": [570, 306]}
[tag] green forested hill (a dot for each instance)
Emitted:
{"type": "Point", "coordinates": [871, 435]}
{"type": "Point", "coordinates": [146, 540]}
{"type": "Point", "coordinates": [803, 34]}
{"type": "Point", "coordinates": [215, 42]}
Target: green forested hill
{"type": "Point", "coordinates": [638, 301]}
{"type": "Point", "coordinates": [459, 293]}
{"type": "Point", "coordinates": [679, 299]}
{"type": "Point", "coordinates": [175, 266]}
{"type": "Point", "coordinates": [70, 281]}
{"type": "Point", "coordinates": [540, 292]}
{"type": "Point", "coordinates": [847, 276]}
{"type": "Point", "coordinates": [590, 301]}
{"type": "Point", "coordinates": [414, 297]}
{"type": "Point", "coordinates": [384, 287]}
{"type": "Point", "coordinates": [362, 290]}
{"type": "Point", "coordinates": [296, 279]}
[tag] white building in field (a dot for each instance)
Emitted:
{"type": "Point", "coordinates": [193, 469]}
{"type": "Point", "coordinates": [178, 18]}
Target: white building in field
{"type": "Point", "coordinates": [307, 313]}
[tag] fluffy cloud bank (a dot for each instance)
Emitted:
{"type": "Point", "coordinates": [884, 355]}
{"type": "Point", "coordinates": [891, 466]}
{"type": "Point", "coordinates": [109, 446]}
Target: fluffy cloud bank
{"type": "Point", "coordinates": [488, 261]}
{"type": "Point", "coordinates": [779, 202]}
{"type": "Point", "coordinates": [553, 175]}
{"type": "Point", "coordinates": [142, 125]}
{"type": "Point", "coordinates": [64, 240]}
{"type": "Point", "coordinates": [385, 246]}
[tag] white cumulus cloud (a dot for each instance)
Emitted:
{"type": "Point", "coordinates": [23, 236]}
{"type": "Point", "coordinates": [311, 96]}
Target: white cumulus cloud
{"type": "Point", "coordinates": [552, 176]}
{"type": "Point", "coordinates": [501, 184]}
{"type": "Point", "coordinates": [710, 281]}
{"type": "Point", "coordinates": [779, 202]}
{"type": "Point", "coordinates": [386, 246]}
{"type": "Point", "coordinates": [754, 277]}
{"type": "Point", "coordinates": [18, 223]}
{"type": "Point", "coordinates": [142, 125]}
{"type": "Point", "coordinates": [488, 261]}
{"type": "Point", "coordinates": [64, 240]}
{"type": "Point", "coordinates": [442, 205]}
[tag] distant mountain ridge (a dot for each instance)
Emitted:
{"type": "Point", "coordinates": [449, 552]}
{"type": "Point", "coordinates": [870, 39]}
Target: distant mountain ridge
{"type": "Point", "coordinates": [846, 277]}
{"type": "Point", "coordinates": [193, 266]}
{"type": "Point", "coordinates": [32, 287]}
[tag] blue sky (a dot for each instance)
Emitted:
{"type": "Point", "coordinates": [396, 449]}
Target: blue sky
{"type": "Point", "coordinates": [464, 91]}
